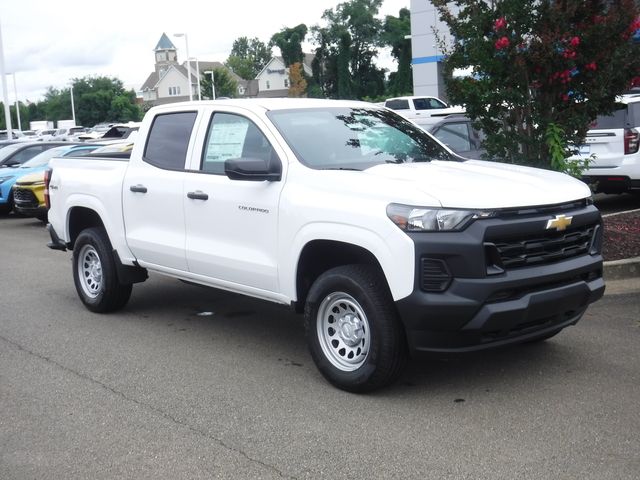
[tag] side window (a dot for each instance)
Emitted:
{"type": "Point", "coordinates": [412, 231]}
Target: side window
{"type": "Point", "coordinates": [455, 136]}
{"type": "Point", "coordinates": [397, 104]}
{"type": "Point", "coordinates": [233, 136]}
{"type": "Point", "coordinates": [28, 153]}
{"type": "Point", "coordinates": [169, 139]}
{"type": "Point", "coordinates": [427, 103]}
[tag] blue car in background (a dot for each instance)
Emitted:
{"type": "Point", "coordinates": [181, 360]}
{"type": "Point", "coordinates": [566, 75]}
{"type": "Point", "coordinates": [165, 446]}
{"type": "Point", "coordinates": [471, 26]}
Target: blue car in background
{"type": "Point", "coordinates": [9, 175]}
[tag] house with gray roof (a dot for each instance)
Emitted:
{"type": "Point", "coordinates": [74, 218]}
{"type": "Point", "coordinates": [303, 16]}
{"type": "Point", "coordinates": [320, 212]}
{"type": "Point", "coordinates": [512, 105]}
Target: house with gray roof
{"type": "Point", "coordinates": [273, 80]}
{"type": "Point", "coordinates": [169, 81]}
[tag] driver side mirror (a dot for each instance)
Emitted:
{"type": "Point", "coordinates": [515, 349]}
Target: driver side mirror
{"type": "Point", "coordinates": [253, 169]}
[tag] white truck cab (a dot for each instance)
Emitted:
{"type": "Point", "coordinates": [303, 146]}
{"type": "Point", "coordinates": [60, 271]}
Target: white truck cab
{"type": "Point", "coordinates": [388, 242]}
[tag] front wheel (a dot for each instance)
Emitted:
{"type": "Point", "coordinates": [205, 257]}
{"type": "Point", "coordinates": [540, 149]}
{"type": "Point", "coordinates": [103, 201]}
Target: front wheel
{"type": "Point", "coordinates": [95, 275]}
{"type": "Point", "coordinates": [353, 331]}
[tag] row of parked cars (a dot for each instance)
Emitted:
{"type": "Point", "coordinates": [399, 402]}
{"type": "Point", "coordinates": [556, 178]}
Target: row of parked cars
{"type": "Point", "coordinates": [23, 165]}
{"type": "Point", "coordinates": [612, 143]}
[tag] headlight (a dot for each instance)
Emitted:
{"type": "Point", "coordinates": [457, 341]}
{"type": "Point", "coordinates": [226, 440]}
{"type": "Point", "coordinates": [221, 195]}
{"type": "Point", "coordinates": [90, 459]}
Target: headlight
{"type": "Point", "coordinates": [6, 179]}
{"type": "Point", "coordinates": [421, 219]}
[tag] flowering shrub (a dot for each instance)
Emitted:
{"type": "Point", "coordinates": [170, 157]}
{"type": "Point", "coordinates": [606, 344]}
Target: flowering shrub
{"type": "Point", "coordinates": [542, 70]}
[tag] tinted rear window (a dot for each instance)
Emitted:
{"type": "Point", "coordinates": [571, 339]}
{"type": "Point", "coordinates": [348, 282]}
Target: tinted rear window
{"type": "Point", "coordinates": [397, 104]}
{"type": "Point", "coordinates": [625, 116]}
{"type": "Point", "coordinates": [169, 139]}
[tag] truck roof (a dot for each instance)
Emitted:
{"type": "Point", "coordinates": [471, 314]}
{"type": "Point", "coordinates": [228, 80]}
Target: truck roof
{"type": "Point", "coordinates": [268, 104]}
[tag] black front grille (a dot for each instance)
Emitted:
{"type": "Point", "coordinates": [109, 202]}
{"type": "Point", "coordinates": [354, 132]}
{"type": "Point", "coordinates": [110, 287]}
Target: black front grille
{"type": "Point", "coordinates": [544, 248]}
{"type": "Point", "coordinates": [24, 198]}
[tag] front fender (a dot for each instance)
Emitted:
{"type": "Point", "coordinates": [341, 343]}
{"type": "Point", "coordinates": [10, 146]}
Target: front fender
{"type": "Point", "coordinates": [393, 249]}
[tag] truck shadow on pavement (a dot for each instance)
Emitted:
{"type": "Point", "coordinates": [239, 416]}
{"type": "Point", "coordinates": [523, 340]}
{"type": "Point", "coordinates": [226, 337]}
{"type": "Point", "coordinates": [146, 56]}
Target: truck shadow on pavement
{"type": "Point", "coordinates": [279, 333]}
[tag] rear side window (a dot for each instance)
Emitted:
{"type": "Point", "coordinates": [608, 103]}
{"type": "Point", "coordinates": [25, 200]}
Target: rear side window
{"type": "Point", "coordinates": [618, 119]}
{"type": "Point", "coordinates": [169, 139]}
{"type": "Point", "coordinates": [397, 104]}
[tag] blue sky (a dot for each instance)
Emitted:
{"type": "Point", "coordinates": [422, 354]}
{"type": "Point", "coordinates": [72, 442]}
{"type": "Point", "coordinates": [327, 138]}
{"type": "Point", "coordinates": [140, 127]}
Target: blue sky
{"type": "Point", "coordinates": [47, 43]}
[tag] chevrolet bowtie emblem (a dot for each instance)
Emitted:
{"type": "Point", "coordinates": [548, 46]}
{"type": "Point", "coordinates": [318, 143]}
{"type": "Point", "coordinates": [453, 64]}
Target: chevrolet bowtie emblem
{"type": "Point", "coordinates": [561, 222]}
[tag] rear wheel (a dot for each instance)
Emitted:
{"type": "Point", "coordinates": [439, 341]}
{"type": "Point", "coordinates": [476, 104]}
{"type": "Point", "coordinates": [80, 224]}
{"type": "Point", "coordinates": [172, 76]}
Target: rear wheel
{"type": "Point", "coordinates": [353, 331]}
{"type": "Point", "coordinates": [95, 275]}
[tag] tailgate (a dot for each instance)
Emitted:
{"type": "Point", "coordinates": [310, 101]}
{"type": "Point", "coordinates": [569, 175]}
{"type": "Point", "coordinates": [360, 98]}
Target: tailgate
{"type": "Point", "coordinates": [607, 145]}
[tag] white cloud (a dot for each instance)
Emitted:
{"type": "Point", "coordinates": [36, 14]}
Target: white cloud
{"type": "Point", "coordinates": [48, 43]}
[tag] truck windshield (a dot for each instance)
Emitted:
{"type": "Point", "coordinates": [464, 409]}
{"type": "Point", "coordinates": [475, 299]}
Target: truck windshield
{"type": "Point", "coordinates": [354, 138]}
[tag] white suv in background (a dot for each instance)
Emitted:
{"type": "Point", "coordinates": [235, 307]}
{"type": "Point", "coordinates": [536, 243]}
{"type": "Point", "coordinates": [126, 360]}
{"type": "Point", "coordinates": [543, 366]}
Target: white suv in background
{"type": "Point", "coordinates": [423, 111]}
{"type": "Point", "coordinates": [614, 141]}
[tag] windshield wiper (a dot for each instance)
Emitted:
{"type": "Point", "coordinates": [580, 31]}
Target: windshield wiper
{"type": "Point", "coordinates": [342, 168]}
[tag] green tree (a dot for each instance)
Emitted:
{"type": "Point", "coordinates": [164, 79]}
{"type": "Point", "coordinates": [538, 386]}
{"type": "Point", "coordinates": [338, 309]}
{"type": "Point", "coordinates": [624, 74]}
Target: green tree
{"type": "Point", "coordinates": [248, 57]}
{"type": "Point", "coordinates": [224, 84]}
{"type": "Point", "coordinates": [347, 47]}
{"type": "Point", "coordinates": [542, 71]}
{"type": "Point", "coordinates": [101, 99]}
{"type": "Point", "coordinates": [395, 31]}
{"type": "Point", "coordinates": [289, 41]}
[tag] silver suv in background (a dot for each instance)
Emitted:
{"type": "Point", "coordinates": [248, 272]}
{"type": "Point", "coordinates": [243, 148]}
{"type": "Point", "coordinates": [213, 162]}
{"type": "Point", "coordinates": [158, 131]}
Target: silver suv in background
{"type": "Point", "coordinates": [614, 141]}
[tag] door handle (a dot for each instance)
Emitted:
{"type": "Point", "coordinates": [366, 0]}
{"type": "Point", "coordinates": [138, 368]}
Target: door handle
{"type": "Point", "coordinates": [138, 188]}
{"type": "Point", "coordinates": [198, 195]}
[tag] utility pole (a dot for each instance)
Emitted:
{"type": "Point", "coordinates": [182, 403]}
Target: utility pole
{"type": "Point", "coordinates": [5, 94]}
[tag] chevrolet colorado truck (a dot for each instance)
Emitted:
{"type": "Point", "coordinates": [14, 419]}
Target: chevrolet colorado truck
{"type": "Point", "coordinates": [388, 242]}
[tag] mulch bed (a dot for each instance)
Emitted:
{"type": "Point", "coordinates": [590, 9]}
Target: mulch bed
{"type": "Point", "coordinates": [621, 236]}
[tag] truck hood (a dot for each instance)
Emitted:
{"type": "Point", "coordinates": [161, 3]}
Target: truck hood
{"type": "Point", "coordinates": [483, 185]}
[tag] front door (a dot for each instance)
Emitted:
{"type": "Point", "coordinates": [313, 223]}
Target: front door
{"type": "Point", "coordinates": [231, 225]}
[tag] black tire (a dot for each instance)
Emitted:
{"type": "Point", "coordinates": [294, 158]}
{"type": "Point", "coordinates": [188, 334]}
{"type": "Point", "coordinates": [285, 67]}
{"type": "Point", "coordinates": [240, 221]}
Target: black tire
{"type": "Point", "coordinates": [359, 297]}
{"type": "Point", "coordinates": [6, 208]}
{"type": "Point", "coordinates": [94, 272]}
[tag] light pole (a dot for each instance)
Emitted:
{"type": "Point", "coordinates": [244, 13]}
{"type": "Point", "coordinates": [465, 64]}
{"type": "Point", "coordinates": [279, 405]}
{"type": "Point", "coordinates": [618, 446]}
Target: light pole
{"type": "Point", "coordinates": [213, 85]}
{"type": "Point", "coordinates": [5, 95]}
{"type": "Point", "coordinates": [186, 42]}
{"type": "Point", "coordinates": [73, 108]}
{"type": "Point", "coordinates": [198, 77]}
{"type": "Point", "coordinates": [15, 93]}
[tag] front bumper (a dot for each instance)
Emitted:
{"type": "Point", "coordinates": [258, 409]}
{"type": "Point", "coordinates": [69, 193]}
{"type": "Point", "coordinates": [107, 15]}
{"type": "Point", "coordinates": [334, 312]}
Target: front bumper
{"type": "Point", "coordinates": [485, 306]}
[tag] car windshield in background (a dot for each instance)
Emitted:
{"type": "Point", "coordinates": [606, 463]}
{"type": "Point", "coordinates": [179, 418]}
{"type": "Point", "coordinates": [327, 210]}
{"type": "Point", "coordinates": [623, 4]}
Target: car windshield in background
{"type": "Point", "coordinates": [44, 157]}
{"type": "Point", "coordinates": [354, 138]}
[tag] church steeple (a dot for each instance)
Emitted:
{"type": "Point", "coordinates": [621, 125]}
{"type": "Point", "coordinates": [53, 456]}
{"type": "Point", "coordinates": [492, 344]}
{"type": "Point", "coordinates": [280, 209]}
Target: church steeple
{"type": "Point", "coordinates": [165, 54]}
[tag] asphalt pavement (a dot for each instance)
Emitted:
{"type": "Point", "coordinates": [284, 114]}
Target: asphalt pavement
{"type": "Point", "coordinates": [188, 382]}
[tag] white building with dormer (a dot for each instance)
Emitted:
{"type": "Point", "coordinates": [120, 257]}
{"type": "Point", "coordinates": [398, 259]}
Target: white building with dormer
{"type": "Point", "coordinates": [273, 80]}
{"type": "Point", "coordinates": [169, 81]}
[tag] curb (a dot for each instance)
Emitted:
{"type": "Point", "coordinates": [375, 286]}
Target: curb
{"type": "Point", "coordinates": [621, 269]}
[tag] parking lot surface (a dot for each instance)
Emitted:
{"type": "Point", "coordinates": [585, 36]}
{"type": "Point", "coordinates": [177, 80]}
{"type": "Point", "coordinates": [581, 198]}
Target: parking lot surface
{"type": "Point", "coordinates": [189, 382]}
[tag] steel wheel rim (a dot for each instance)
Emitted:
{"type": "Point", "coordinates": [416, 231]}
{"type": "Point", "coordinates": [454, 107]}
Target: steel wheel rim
{"type": "Point", "coordinates": [90, 271]}
{"type": "Point", "coordinates": [343, 331]}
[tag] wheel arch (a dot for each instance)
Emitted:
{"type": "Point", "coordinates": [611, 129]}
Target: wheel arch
{"type": "Point", "coordinates": [318, 256]}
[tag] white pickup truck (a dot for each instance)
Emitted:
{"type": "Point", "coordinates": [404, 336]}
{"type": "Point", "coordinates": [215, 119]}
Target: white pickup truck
{"type": "Point", "coordinates": [387, 241]}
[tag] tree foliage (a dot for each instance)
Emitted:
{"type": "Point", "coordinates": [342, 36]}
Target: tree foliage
{"type": "Point", "coordinates": [298, 85]}
{"type": "Point", "coordinates": [289, 41]}
{"type": "Point", "coordinates": [248, 57]}
{"type": "Point", "coordinates": [96, 100]}
{"type": "Point", "coordinates": [542, 71]}
{"type": "Point", "coordinates": [224, 84]}
{"type": "Point", "coordinates": [395, 31]}
{"type": "Point", "coordinates": [347, 46]}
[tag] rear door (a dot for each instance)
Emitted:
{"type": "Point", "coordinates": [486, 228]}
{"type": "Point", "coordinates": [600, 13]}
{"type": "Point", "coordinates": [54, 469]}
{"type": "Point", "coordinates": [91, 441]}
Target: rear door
{"type": "Point", "coordinates": [153, 192]}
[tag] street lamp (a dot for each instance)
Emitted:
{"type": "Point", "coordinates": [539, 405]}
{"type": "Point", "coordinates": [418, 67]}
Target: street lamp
{"type": "Point", "coordinates": [186, 42]}
{"type": "Point", "coordinates": [213, 85]}
{"type": "Point", "coordinates": [5, 95]}
{"type": "Point", "coordinates": [198, 77]}
{"type": "Point", "coordinates": [73, 108]}
{"type": "Point", "coordinates": [15, 93]}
